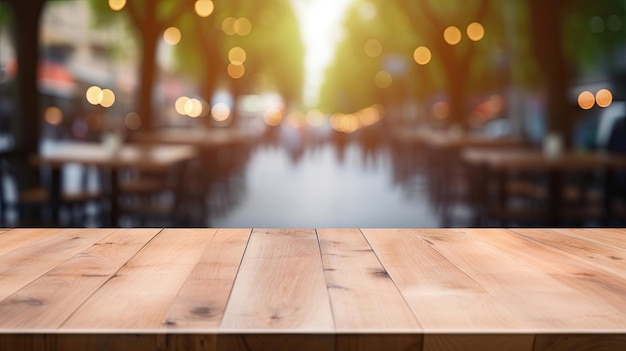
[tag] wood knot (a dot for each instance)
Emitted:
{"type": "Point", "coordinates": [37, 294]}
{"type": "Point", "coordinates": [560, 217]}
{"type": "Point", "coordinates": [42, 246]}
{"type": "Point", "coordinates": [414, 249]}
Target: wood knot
{"type": "Point", "coordinates": [381, 273]}
{"type": "Point", "coordinates": [169, 323]}
{"type": "Point", "coordinates": [203, 311]}
{"type": "Point", "coordinates": [33, 302]}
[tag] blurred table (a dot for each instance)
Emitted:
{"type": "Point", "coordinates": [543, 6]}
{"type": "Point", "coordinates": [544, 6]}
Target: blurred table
{"type": "Point", "coordinates": [442, 139]}
{"type": "Point", "coordinates": [307, 289]}
{"type": "Point", "coordinates": [496, 164]}
{"type": "Point", "coordinates": [199, 137]}
{"type": "Point", "coordinates": [151, 157]}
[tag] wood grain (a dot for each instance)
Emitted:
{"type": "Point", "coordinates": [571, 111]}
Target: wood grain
{"type": "Point", "coordinates": [597, 254]}
{"type": "Point", "coordinates": [14, 238]}
{"type": "Point", "coordinates": [280, 285]}
{"type": "Point", "coordinates": [28, 262]}
{"type": "Point", "coordinates": [606, 236]}
{"type": "Point", "coordinates": [541, 301]}
{"type": "Point", "coordinates": [362, 295]}
{"type": "Point", "coordinates": [142, 291]}
{"type": "Point", "coordinates": [330, 289]}
{"type": "Point", "coordinates": [202, 300]}
{"type": "Point", "coordinates": [570, 270]}
{"type": "Point", "coordinates": [50, 299]}
{"type": "Point", "coordinates": [443, 297]}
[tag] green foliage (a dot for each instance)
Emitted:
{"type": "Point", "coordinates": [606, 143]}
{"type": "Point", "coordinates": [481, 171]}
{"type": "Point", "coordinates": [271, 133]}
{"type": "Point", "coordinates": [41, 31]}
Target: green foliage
{"type": "Point", "coordinates": [593, 31]}
{"type": "Point", "coordinates": [349, 81]}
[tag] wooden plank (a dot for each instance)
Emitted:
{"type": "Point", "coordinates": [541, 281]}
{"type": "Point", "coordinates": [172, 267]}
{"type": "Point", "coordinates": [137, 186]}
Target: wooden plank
{"type": "Point", "coordinates": [201, 302]}
{"type": "Point", "coordinates": [564, 267]}
{"type": "Point", "coordinates": [50, 299]}
{"type": "Point", "coordinates": [541, 301]}
{"type": "Point", "coordinates": [362, 295]}
{"type": "Point", "coordinates": [13, 239]}
{"type": "Point", "coordinates": [435, 288]}
{"type": "Point", "coordinates": [280, 285]}
{"type": "Point", "coordinates": [26, 263]}
{"type": "Point", "coordinates": [143, 290]}
{"type": "Point", "coordinates": [593, 252]}
{"type": "Point", "coordinates": [606, 236]}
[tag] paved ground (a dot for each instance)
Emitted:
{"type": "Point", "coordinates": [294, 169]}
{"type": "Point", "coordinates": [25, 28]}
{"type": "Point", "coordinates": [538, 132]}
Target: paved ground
{"type": "Point", "coordinates": [318, 190]}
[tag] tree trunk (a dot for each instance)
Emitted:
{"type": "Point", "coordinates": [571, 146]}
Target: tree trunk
{"type": "Point", "coordinates": [546, 36]}
{"type": "Point", "coordinates": [26, 124]}
{"type": "Point", "coordinates": [147, 77]}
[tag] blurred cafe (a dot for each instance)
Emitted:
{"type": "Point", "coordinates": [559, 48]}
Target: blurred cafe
{"type": "Point", "coordinates": [328, 113]}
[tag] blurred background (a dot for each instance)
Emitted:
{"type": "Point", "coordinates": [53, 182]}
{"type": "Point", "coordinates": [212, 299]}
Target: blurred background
{"type": "Point", "coordinates": [314, 113]}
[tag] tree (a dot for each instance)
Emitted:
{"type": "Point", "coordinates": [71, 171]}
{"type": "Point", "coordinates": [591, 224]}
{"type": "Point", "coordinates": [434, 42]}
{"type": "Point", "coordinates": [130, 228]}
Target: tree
{"type": "Point", "coordinates": [403, 26]}
{"type": "Point", "coordinates": [150, 18]}
{"type": "Point", "coordinates": [26, 126]}
{"type": "Point", "coordinates": [568, 47]}
{"type": "Point", "coordinates": [432, 21]}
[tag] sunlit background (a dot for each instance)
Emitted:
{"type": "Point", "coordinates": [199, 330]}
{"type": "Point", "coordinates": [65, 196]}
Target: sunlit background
{"type": "Point", "coordinates": [310, 113]}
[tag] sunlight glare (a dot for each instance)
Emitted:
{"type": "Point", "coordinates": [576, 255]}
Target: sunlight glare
{"type": "Point", "coordinates": [321, 29]}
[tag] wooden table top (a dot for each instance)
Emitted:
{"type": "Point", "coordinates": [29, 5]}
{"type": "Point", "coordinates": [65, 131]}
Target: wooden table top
{"type": "Point", "coordinates": [324, 289]}
{"type": "Point", "coordinates": [199, 137]}
{"type": "Point", "coordinates": [532, 159]}
{"type": "Point", "coordinates": [451, 140]}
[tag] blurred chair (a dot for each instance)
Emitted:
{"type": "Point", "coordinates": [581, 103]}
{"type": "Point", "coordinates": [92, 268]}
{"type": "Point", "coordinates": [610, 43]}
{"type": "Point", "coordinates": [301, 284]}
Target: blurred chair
{"type": "Point", "coordinates": [148, 198]}
{"type": "Point", "coordinates": [32, 205]}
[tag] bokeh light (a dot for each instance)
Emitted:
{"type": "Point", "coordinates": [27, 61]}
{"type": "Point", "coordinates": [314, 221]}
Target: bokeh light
{"type": "Point", "coordinates": [108, 98]}
{"type": "Point", "coordinates": [596, 24]}
{"type": "Point", "coordinates": [193, 108]}
{"type": "Point", "coordinates": [98, 96]}
{"type": "Point", "coordinates": [586, 100]}
{"type": "Point", "coordinates": [452, 35]}
{"type": "Point", "coordinates": [204, 8]}
{"type": "Point", "coordinates": [475, 31]}
{"type": "Point", "coordinates": [53, 115]}
{"type": "Point", "coordinates": [242, 26]}
{"type": "Point", "coordinates": [172, 36]}
{"type": "Point", "coordinates": [179, 105]}
{"type": "Point", "coordinates": [237, 55]}
{"type": "Point", "coordinates": [132, 121]}
{"type": "Point", "coordinates": [369, 115]}
{"type": "Point", "coordinates": [228, 26]}
{"type": "Point", "coordinates": [349, 123]}
{"type": "Point", "coordinates": [604, 98]}
{"type": "Point", "coordinates": [422, 55]}
{"type": "Point", "coordinates": [117, 5]}
{"type": "Point", "coordinates": [94, 95]}
{"type": "Point", "coordinates": [220, 112]}
{"type": "Point", "coordinates": [383, 79]}
{"type": "Point", "coordinates": [273, 117]}
{"type": "Point", "coordinates": [614, 23]}
{"type": "Point", "coordinates": [236, 71]}
{"type": "Point", "coordinates": [373, 48]}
